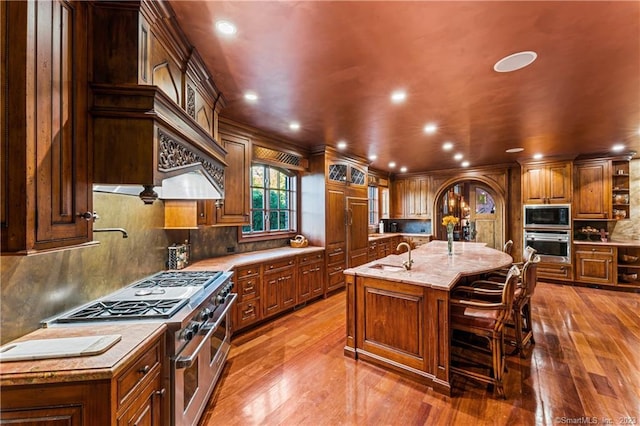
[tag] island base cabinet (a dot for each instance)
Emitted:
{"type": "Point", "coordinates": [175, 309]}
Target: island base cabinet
{"type": "Point", "coordinates": [400, 326]}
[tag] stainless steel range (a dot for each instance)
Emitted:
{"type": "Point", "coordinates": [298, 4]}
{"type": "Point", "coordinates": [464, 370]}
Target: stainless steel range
{"type": "Point", "coordinates": [196, 307]}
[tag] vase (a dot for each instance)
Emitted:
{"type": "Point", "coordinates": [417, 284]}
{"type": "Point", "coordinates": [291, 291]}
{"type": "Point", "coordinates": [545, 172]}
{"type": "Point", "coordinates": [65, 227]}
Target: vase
{"type": "Point", "coordinates": [450, 239]}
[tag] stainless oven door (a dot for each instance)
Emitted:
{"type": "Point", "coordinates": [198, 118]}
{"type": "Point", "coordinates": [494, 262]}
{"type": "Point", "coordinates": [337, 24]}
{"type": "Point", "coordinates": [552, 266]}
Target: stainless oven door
{"type": "Point", "coordinates": [197, 368]}
{"type": "Point", "coordinates": [551, 246]}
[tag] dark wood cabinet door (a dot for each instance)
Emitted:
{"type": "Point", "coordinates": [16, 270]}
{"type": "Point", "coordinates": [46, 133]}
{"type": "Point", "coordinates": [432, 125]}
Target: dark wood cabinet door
{"type": "Point", "coordinates": [235, 209]}
{"type": "Point", "coordinates": [46, 142]}
{"type": "Point", "coordinates": [534, 184]}
{"type": "Point", "coordinates": [357, 235]}
{"type": "Point", "coordinates": [288, 289]}
{"type": "Point", "coordinates": [317, 279]}
{"type": "Point", "coordinates": [593, 190]}
{"type": "Point", "coordinates": [559, 180]}
{"type": "Point", "coordinates": [146, 410]}
{"type": "Point", "coordinates": [335, 220]}
{"type": "Point", "coordinates": [270, 300]}
{"type": "Point", "coordinates": [398, 198]}
{"type": "Point", "coordinates": [305, 278]}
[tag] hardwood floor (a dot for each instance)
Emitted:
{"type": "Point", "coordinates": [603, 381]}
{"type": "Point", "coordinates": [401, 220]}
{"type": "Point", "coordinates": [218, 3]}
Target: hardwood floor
{"type": "Point", "coordinates": [585, 363]}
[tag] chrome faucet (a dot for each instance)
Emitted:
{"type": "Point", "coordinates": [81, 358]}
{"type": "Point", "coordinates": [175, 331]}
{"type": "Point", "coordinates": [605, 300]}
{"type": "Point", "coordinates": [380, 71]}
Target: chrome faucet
{"type": "Point", "coordinates": [407, 263]}
{"type": "Point", "coordinates": [124, 233]}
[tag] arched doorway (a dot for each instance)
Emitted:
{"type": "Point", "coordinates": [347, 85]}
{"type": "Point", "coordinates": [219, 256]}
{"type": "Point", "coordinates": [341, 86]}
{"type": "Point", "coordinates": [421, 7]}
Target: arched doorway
{"type": "Point", "coordinates": [480, 208]}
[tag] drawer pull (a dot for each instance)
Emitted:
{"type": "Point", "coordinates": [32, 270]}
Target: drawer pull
{"type": "Point", "coordinates": [249, 288]}
{"type": "Point", "coordinates": [337, 268]}
{"type": "Point", "coordinates": [144, 370]}
{"type": "Point", "coordinates": [161, 392]}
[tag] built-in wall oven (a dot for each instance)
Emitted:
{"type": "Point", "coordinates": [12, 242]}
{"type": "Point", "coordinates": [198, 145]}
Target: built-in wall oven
{"type": "Point", "coordinates": [552, 245]}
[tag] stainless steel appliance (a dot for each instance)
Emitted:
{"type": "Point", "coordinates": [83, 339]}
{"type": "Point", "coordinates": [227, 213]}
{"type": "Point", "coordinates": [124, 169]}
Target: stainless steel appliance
{"type": "Point", "coordinates": [547, 216]}
{"type": "Point", "coordinates": [196, 307]}
{"type": "Point", "coordinates": [552, 245]}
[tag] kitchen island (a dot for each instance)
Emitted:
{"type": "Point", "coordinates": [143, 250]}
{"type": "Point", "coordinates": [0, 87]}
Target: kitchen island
{"type": "Point", "coordinates": [399, 319]}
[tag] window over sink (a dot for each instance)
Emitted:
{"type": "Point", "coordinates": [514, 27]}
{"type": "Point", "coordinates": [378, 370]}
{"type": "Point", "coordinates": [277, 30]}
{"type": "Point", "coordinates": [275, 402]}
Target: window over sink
{"type": "Point", "coordinates": [273, 202]}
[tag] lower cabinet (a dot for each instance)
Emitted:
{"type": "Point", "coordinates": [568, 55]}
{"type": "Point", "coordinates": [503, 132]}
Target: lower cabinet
{"type": "Point", "coordinates": [336, 264]}
{"type": "Point", "coordinates": [595, 264]}
{"type": "Point", "coordinates": [268, 288]}
{"type": "Point", "coordinates": [279, 286]}
{"type": "Point", "coordinates": [134, 396]}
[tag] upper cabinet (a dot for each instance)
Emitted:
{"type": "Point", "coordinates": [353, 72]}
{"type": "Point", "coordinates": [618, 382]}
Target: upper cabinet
{"type": "Point", "coordinates": [342, 171]}
{"type": "Point", "coordinates": [602, 189]}
{"type": "Point", "coordinates": [46, 190]}
{"type": "Point", "coordinates": [592, 189]}
{"type": "Point", "coordinates": [547, 182]}
{"type": "Point", "coordinates": [411, 198]}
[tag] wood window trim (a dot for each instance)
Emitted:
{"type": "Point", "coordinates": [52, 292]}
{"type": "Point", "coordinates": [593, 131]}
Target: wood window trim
{"type": "Point", "coordinates": [248, 238]}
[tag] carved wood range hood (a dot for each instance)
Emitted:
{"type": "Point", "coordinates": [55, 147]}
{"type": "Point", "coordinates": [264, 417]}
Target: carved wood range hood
{"type": "Point", "coordinates": [154, 107]}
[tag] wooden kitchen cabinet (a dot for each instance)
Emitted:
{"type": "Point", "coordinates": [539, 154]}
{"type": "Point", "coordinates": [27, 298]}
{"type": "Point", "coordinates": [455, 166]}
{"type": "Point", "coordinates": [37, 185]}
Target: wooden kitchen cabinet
{"type": "Point", "coordinates": [555, 271]}
{"type": "Point", "coordinates": [134, 395]}
{"type": "Point", "coordinates": [547, 182]}
{"type": "Point", "coordinates": [44, 147]}
{"type": "Point", "coordinates": [411, 198]}
{"type": "Point", "coordinates": [248, 308]}
{"type": "Point", "coordinates": [310, 280]}
{"type": "Point", "coordinates": [357, 231]}
{"type": "Point", "coordinates": [592, 190]}
{"type": "Point", "coordinates": [596, 264]}
{"type": "Point", "coordinates": [279, 286]}
{"type": "Point", "coordinates": [331, 180]}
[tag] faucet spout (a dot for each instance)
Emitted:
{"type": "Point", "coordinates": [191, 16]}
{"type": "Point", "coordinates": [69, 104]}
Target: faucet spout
{"type": "Point", "coordinates": [407, 263]}
{"type": "Point", "coordinates": [124, 233]}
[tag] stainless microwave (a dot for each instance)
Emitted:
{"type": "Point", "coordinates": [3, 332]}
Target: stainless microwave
{"type": "Point", "coordinates": [547, 216]}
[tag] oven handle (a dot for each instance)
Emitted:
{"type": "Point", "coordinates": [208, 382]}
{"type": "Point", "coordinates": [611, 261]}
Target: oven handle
{"type": "Point", "coordinates": [186, 362]}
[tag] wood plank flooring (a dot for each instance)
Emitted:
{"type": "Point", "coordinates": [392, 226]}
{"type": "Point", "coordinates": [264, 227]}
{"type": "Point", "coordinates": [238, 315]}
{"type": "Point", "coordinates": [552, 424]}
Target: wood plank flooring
{"type": "Point", "coordinates": [585, 365]}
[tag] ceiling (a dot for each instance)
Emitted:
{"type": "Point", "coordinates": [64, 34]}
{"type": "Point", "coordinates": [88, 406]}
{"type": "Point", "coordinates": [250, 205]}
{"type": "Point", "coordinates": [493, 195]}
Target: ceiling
{"type": "Point", "coordinates": [331, 66]}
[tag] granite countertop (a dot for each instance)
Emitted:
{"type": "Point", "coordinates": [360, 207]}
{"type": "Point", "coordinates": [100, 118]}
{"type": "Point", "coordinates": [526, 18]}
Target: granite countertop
{"type": "Point", "coordinates": [376, 237]}
{"type": "Point", "coordinates": [94, 367]}
{"type": "Point", "coordinates": [617, 243]}
{"type": "Point", "coordinates": [433, 267]}
{"type": "Point", "coordinates": [227, 263]}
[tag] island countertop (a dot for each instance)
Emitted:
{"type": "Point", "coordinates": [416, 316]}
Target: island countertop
{"type": "Point", "coordinates": [433, 267]}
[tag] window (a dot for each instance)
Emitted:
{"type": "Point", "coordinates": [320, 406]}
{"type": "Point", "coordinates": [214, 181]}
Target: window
{"type": "Point", "coordinates": [373, 205]}
{"type": "Point", "coordinates": [273, 201]}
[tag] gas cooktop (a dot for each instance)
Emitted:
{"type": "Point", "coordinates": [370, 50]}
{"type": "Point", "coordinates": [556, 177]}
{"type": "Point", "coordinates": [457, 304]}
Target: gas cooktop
{"type": "Point", "coordinates": [126, 309]}
{"type": "Point", "coordinates": [178, 279]}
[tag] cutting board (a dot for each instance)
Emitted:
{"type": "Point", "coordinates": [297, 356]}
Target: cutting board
{"type": "Point", "coordinates": [57, 348]}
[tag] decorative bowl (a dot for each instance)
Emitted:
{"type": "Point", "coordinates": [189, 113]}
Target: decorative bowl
{"type": "Point", "coordinates": [630, 277]}
{"type": "Point", "coordinates": [627, 258]}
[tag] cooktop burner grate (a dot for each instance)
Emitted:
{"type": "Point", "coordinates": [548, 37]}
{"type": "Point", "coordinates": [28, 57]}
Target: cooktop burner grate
{"type": "Point", "coordinates": [126, 309]}
{"type": "Point", "coordinates": [179, 279]}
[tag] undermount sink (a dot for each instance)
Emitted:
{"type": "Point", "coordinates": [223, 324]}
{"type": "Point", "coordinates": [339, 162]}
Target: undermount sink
{"type": "Point", "coordinates": [386, 267]}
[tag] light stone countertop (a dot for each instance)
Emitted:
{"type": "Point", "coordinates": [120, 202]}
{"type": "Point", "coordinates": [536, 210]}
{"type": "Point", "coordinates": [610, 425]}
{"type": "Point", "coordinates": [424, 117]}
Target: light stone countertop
{"type": "Point", "coordinates": [81, 368]}
{"type": "Point", "coordinates": [376, 236]}
{"type": "Point", "coordinates": [227, 263]}
{"type": "Point", "coordinates": [616, 243]}
{"type": "Point", "coordinates": [433, 267]}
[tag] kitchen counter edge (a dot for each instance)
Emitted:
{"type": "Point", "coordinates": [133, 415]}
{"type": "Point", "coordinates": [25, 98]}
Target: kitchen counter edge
{"type": "Point", "coordinates": [227, 263]}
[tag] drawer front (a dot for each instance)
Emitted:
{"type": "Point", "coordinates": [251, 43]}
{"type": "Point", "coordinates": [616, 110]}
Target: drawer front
{"type": "Point", "coordinates": [279, 264]}
{"type": "Point", "coordinates": [595, 249]}
{"type": "Point", "coordinates": [310, 258]}
{"type": "Point", "coordinates": [145, 366]}
{"type": "Point", "coordinates": [336, 277]}
{"type": "Point", "coordinates": [247, 313]}
{"type": "Point", "coordinates": [555, 271]}
{"type": "Point", "coordinates": [247, 271]}
{"type": "Point", "coordinates": [248, 288]}
{"type": "Point", "coordinates": [336, 254]}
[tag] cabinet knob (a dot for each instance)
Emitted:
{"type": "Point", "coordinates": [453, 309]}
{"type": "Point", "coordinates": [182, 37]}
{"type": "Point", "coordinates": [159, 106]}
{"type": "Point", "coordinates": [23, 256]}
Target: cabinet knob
{"type": "Point", "coordinates": [161, 392]}
{"type": "Point", "coordinates": [145, 369]}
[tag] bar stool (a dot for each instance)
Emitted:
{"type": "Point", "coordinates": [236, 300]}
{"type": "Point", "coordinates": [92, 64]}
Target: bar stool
{"type": "Point", "coordinates": [486, 320]}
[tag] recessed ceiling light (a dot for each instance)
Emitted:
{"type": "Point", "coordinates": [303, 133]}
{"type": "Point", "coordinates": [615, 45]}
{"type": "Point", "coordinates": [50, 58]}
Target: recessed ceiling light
{"type": "Point", "coordinates": [392, 164]}
{"type": "Point", "coordinates": [617, 147]}
{"type": "Point", "coordinates": [447, 146]}
{"type": "Point", "coordinates": [403, 169]}
{"type": "Point", "coordinates": [294, 126]}
{"type": "Point", "coordinates": [373, 157]}
{"type": "Point", "coordinates": [515, 61]}
{"type": "Point", "coordinates": [342, 145]}
{"type": "Point", "coordinates": [514, 150]}
{"type": "Point", "coordinates": [226, 27]}
{"type": "Point", "coordinates": [398, 96]}
{"type": "Point", "coordinates": [465, 164]}
{"type": "Point", "coordinates": [430, 128]}
{"type": "Point", "coordinates": [251, 96]}
{"type": "Point", "coordinates": [537, 156]}
{"type": "Point", "coordinates": [458, 157]}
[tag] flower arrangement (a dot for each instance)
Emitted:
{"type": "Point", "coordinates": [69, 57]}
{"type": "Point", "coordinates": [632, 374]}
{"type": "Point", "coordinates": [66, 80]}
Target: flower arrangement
{"type": "Point", "coordinates": [450, 220]}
